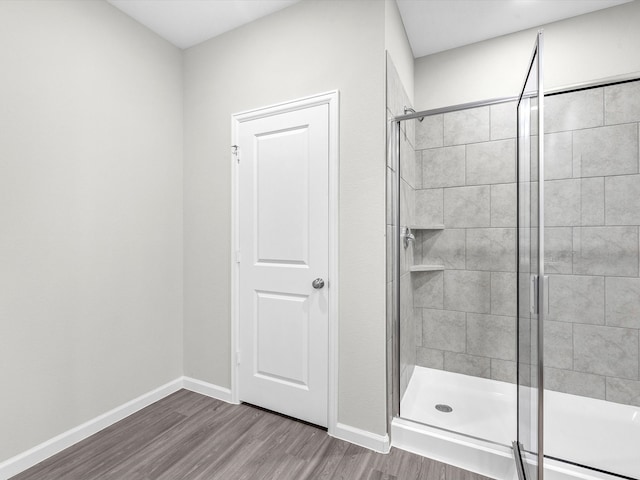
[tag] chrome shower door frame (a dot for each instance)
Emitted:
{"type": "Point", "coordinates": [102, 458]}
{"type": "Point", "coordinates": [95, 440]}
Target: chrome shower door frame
{"type": "Point", "coordinates": [534, 288]}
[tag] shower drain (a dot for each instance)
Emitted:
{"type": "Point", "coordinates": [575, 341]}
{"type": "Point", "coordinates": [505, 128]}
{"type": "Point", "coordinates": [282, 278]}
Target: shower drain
{"type": "Point", "coordinates": [444, 408]}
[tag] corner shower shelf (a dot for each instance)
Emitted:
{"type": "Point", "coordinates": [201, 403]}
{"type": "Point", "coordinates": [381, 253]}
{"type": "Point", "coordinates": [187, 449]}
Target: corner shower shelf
{"type": "Point", "coordinates": [426, 268]}
{"type": "Point", "coordinates": [426, 227]}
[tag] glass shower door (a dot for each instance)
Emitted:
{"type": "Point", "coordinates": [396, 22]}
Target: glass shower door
{"type": "Point", "coordinates": [527, 449]}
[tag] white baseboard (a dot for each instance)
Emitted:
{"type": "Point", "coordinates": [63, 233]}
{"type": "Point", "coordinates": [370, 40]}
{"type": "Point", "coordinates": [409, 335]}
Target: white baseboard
{"type": "Point", "coordinates": [372, 441]}
{"type": "Point", "coordinates": [41, 452]}
{"type": "Point", "coordinates": [35, 455]}
{"type": "Point", "coordinates": [208, 389]}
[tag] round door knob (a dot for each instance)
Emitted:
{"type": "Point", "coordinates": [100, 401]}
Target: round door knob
{"type": "Point", "coordinates": [318, 283]}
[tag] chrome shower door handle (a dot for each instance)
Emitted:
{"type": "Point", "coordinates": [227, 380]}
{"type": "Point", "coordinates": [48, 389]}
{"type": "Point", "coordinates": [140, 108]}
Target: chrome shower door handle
{"type": "Point", "coordinates": [318, 283]}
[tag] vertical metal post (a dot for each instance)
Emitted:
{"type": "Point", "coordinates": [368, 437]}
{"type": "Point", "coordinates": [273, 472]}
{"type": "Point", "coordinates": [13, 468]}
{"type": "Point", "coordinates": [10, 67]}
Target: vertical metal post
{"type": "Point", "coordinates": [541, 273]}
{"type": "Point", "coordinates": [395, 166]}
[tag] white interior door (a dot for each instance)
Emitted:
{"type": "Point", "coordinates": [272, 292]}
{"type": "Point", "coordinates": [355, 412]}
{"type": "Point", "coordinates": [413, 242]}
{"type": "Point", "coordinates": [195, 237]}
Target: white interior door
{"type": "Point", "coordinates": [283, 207]}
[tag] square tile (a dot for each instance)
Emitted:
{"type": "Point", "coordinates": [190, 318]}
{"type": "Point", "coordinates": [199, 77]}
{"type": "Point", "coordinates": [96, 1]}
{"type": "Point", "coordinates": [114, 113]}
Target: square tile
{"type": "Point", "coordinates": [558, 155]}
{"type": "Point", "coordinates": [430, 358]}
{"type": "Point", "coordinates": [406, 297]}
{"type": "Point", "coordinates": [503, 370]}
{"type": "Point", "coordinates": [503, 120]}
{"type": "Point", "coordinates": [575, 383]}
{"type": "Point", "coordinates": [407, 204]}
{"type": "Point", "coordinates": [622, 103]}
{"type": "Point", "coordinates": [603, 151]}
{"type": "Point", "coordinates": [491, 249]}
{"type": "Point", "coordinates": [622, 391]}
{"type": "Point", "coordinates": [611, 251]}
{"type": "Point", "coordinates": [467, 291]}
{"type": "Point", "coordinates": [623, 302]}
{"type": "Point", "coordinates": [407, 161]}
{"type": "Point", "coordinates": [503, 205]}
{"type": "Point", "coordinates": [467, 364]}
{"type": "Point", "coordinates": [428, 289]}
{"type": "Point", "coordinates": [558, 246]}
{"type": "Point", "coordinates": [491, 162]}
{"type": "Point", "coordinates": [622, 206]}
{"type": "Point", "coordinates": [467, 126]}
{"type": "Point", "coordinates": [573, 111]}
{"type": "Point", "coordinates": [491, 336]}
{"type": "Point", "coordinates": [408, 127]}
{"type": "Point", "coordinates": [467, 207]}
{"type": "Point", "coordinates": [503, 293]}
{"type": "Point", "coordinates": [443, 167]}
{"type": "Point", "coordinates": [558, 345]}
{"type": "Point", "coordinates": [592, 201]}
{"type": "Point", "coordinates": [429, 207]}
{"type": "Point", "coordinates": [562, 203]}
{"type": "Point", "coordinates": [444, 247]}
{"type": "Point", "coordinates": [429, 132]}
{"type": "Point", "coordinates": [576, 299]}
{"type": "Point", "coordinates": [609, 351]}
{"type": "Point", "coordinates": [444, 330]}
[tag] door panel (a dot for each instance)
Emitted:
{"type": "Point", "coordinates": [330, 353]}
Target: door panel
{"type": "Point", "coordinates": [282, 207]}
{"type": "Point", "coordinates": [282, 338]}
{"type": "Point", "coordinates": [283, 233]}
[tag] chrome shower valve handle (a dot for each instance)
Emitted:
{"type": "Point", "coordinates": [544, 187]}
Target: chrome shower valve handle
{"type": "Point", "coordinates": [407, 236]}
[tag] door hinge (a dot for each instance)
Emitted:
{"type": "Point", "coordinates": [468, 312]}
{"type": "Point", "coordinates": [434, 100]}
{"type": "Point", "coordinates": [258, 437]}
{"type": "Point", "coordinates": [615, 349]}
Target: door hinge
{"type": "Point", "coordinates": [238, 357]}
{"type": "Point", "coordinates": [238, 256]}
{"type": "Point", "coordinates": [235, 152]}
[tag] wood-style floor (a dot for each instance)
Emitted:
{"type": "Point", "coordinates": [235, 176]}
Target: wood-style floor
{"type": "Point", "coordinates": [187, 436]}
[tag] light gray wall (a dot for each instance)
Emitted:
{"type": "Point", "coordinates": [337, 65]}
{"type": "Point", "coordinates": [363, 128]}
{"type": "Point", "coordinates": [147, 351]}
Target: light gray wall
{"type": "Point", "coordinates": [90, 215]}
{"type": "Point", "coordinates": [311, 47]}
{"type": "Point", "coordinates": [580, 49]}
{"type": "Point", "coordinates": [398, 48]}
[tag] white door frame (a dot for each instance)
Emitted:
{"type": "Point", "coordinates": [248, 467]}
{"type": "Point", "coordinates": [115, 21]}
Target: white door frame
{"type": "Point", "coordinates": [331, 99]}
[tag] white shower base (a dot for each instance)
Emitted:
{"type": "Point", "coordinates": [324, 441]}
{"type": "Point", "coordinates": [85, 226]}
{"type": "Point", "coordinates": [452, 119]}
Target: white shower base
{"type": "Point", "coordinates": [481, 408]}
{"type": "Point", "coordinates": [591, 432]}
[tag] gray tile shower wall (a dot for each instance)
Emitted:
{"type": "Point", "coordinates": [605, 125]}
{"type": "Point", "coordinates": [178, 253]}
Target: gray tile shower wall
{"type": "Point", "coordinates": [593, 333]}
{"type": "Point", "coordinates": [466, 161]}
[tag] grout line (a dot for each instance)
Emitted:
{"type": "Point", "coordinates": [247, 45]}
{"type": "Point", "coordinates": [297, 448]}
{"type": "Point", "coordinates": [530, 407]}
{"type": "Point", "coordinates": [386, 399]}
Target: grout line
{"type": "Point", "coordinates": [604, 110]}
{"type": "Point", "coordinates": [490, 136]}
{"type": "Point", "coordinates": [573, 348]}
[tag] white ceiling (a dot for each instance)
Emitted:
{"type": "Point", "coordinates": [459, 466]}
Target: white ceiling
{"type": "Point", "coordinates": [188, 22]}
{"type": "Point", "coordinates": [437, 25]}
{"type": "Point", "coordinates": [432, 25]}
